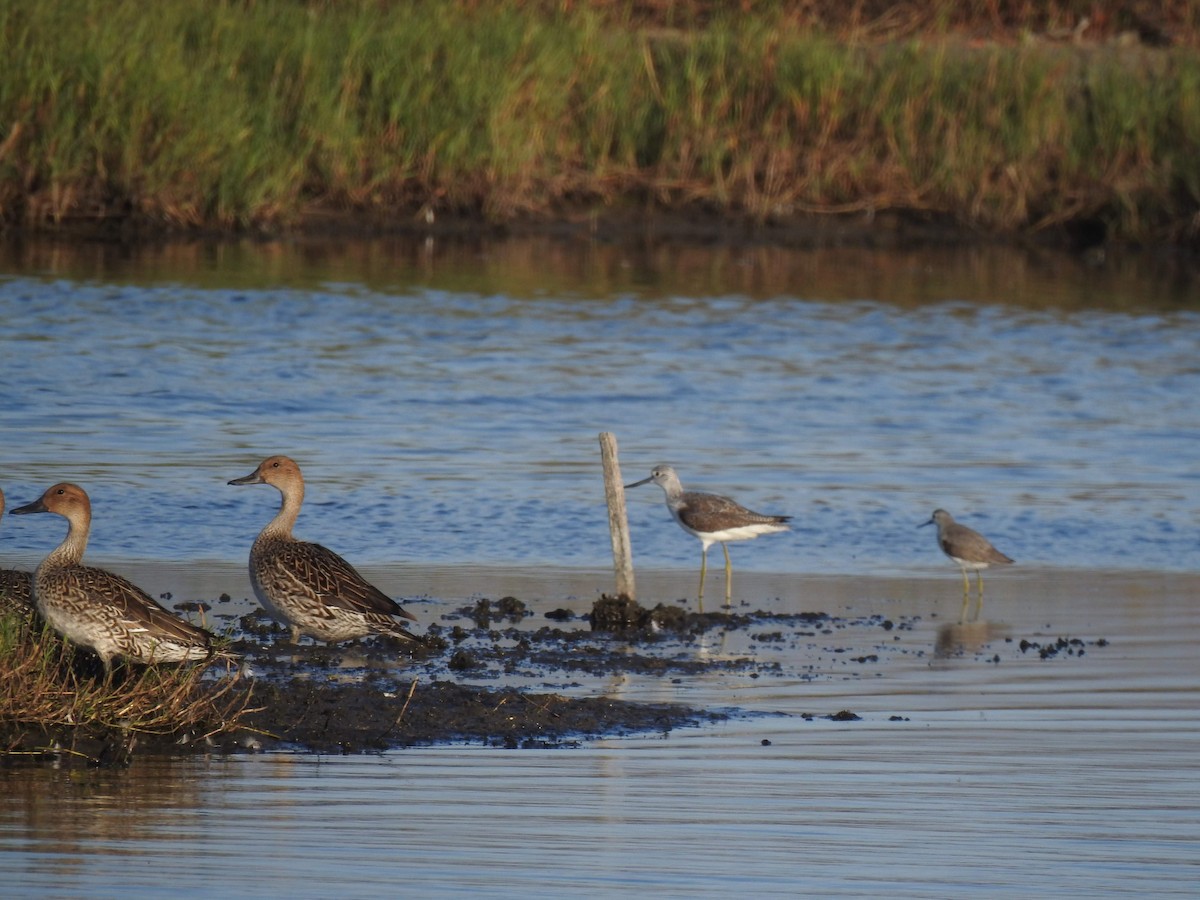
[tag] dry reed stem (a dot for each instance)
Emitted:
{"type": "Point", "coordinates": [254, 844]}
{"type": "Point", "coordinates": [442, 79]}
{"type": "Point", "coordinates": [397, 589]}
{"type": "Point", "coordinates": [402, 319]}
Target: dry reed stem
{"type": "Point", "coordinates": [48, 687]}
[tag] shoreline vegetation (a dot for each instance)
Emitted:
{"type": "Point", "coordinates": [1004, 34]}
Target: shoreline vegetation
{"type": "Point", "coordinates": [58, 703]}
{"type": "Point", "coordinates": [1070, 122]}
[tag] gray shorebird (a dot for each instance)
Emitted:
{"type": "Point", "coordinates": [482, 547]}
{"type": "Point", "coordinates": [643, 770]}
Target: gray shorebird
{"type": "Point", "coordinates": [16, 586]}
{"type": "Point", "coordinates": [968, 548]}
{"type": "Point", "coordinates": [97, 608]}
{"type": "Point", "coordinates": [711, 518]}
{"type": "Point", "coordinates": [308, 586]}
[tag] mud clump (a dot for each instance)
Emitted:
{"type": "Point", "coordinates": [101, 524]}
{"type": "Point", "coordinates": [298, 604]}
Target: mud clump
{"type": "Point", "coordinates": [505, 609]}
{"type": "Point", "coordinates": [328, 717]}
{"type": "Point", "coordinates": [629, 619]}
{"type": "Point", "coordinates": [1067, 646]}
{"type": "Point", "coordinates": [618, 614]}
{"type": "Point", "coordinates": [462, 661]}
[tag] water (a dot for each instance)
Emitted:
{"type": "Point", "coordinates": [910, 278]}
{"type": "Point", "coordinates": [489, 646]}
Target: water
{"type": "Point", "coordinates": [1072, 776]}
{"type": "Point", "coordinates": [444, 402]}
{"type": "Point", "coordinates": [446, 410]}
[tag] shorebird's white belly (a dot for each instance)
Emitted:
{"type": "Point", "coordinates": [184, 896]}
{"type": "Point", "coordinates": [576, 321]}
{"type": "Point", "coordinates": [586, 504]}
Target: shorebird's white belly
{"type": "Point", "coordinates": [737, 533]}
{"type": "Point", "coordinates": [970, 564]}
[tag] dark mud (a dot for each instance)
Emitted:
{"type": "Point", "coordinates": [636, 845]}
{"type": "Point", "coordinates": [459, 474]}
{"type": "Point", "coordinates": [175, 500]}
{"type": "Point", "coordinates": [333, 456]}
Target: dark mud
{"type": "Point", "coordinates": [379, 693]}
{"type": "Point", "coordinates": [496, 674]}
{"type": "Point", "coordinates": [631, 225]}
{"type": "Point", "coordinates": [489, 672]}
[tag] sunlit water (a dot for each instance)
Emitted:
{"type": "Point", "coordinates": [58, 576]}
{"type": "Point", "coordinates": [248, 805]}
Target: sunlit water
{"type": "Point", "coordinates": [993, 773]}
{"type": "Point", "coordinates": [449, 412]}
{"type": "Point", "coordinates": [444, 404]}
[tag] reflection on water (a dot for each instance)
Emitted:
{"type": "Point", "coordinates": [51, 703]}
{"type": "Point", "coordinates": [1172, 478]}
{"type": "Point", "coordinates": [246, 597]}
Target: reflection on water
{"type": "Point", "coordinates": [1006, 773]}
{"type": "Point", "coordinates": [531, 268]}
{"type": "Point", "coordinates": [444, 400]}
{"type": "Point", "coordinates": [965, 638]}
{"type": "Point", "coordinates": [67, 818]}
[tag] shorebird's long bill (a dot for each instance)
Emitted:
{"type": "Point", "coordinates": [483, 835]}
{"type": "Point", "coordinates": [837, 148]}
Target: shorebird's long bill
{"type": "Point", "coordinates": [638, 483]}
{"type": "Point", "coordinates": [922, 525]}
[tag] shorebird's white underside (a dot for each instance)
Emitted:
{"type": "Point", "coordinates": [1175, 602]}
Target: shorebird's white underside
{"type": "Point", "coordinates": [740, 533]}
{"type": "Point", "coordinates": [970, 564]}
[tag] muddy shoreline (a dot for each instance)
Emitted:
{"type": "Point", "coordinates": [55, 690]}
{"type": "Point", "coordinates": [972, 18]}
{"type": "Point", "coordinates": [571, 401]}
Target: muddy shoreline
{"type": "Point", "coordinates": [865, 226]}
{"type": "Point", "coordinates": [506, 673]}
{"type": "Point", "coordinates": [382, 694]}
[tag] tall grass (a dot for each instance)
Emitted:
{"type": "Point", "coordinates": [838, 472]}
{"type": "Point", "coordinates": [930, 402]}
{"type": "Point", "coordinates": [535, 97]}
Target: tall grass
{"type": "Point", "coordinates": [204, 113]}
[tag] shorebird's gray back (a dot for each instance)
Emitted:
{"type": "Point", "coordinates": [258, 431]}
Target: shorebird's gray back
{"type": "Point", "coordinates": [964, 545]}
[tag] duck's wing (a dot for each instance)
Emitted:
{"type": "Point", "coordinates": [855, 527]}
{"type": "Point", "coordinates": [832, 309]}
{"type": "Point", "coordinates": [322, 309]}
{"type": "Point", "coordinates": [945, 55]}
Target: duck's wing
{"type": "Point", "coordinates": [328, 580]}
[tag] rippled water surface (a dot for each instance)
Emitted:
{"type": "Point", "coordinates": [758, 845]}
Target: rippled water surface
{"type": "Point", "coordinates": [445, 406]}
{"type": "Point", "coordinates": [990, 773]}
{"type": "Point", "coordinates": [444, 403]}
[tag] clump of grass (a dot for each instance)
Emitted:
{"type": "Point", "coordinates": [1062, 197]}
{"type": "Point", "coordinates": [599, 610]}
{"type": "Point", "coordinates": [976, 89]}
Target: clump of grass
{"type": "Point", "coordinates": [56, 699]}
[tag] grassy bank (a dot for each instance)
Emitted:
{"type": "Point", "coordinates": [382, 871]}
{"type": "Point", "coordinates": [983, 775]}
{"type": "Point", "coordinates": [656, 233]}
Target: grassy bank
{"type": "Point", "coordinates": [268, 113]}
{"type": "Point", "coordinates": [56, 700]}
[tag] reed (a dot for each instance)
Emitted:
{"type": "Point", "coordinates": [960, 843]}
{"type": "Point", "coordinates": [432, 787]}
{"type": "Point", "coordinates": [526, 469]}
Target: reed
{"type": "Point", "coordinates": [57, 697]}
{"type": "Point", "coordinates": [270, 113]}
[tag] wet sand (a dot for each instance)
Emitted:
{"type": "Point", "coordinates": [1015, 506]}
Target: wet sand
{"type": "Point", "coordinates": [808, 747]}
{"type": "Point", "coordinates": [523, 666]}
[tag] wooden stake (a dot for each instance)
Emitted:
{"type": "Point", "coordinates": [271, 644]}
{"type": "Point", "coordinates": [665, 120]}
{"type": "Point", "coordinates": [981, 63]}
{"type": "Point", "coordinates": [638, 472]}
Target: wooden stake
{"type": "Point", "coordinates": [618, 523]}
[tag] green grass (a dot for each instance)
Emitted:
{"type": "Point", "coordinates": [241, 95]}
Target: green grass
{"type": "Point", "coordinates": [200, 113]}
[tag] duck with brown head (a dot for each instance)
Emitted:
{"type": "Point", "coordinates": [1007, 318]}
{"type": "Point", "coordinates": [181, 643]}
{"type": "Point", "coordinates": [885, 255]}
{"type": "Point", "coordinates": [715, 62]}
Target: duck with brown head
{"type": "Point", "coordinates": [307, 586]}
{"type": "Point", "coordinates": [97, 608]}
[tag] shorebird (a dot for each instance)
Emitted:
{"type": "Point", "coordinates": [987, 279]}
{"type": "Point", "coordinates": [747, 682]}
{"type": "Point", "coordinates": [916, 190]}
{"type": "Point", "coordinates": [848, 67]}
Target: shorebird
{"type": "Point", "coordinates": [308, 586]}
{"type": "Point", "coordinates": [97, 608]}
{"type": "Point", "coordinates": [711, 518]}
{"type": "Point", "coordinates": [968, 548]}
{"type": "Point", "coordinates": [16, 586]}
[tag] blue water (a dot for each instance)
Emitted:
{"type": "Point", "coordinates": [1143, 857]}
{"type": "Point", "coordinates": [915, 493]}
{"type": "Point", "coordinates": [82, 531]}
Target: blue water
{"type": "Point", "coordinates": [447, 412]}
{"type": "Point", "coordinates": [994, 774]}
{"type": "Point", "coordinates": [444, 402]}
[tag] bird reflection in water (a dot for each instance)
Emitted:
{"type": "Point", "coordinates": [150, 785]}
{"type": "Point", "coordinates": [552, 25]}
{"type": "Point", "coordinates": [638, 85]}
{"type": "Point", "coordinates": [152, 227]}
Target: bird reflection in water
{"type": "Point", "coordinates": [956, 639]}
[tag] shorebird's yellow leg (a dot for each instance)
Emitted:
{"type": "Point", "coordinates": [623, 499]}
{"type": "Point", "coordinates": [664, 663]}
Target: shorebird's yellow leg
{"type": "Point", "coordinates": [979, 605]}
{"type": "Point", "coordinates": [962, 615]}
{"type": "Point", "coordinates": [728, 577]}
{"type": "Point", "coordinates": [703, 572]}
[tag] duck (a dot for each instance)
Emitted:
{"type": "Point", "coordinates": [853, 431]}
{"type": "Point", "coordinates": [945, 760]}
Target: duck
{"type": "Point", "coordinates": [307, 586]}
{"type": "Point", "coordinates": [16, 586]}
{"type": "Point", "coordinates": [99, 609]}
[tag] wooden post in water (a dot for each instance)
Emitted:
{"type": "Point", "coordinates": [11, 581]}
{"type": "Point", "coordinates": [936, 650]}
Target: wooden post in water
{"type": "Point", "coordinates": [618, 523]}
